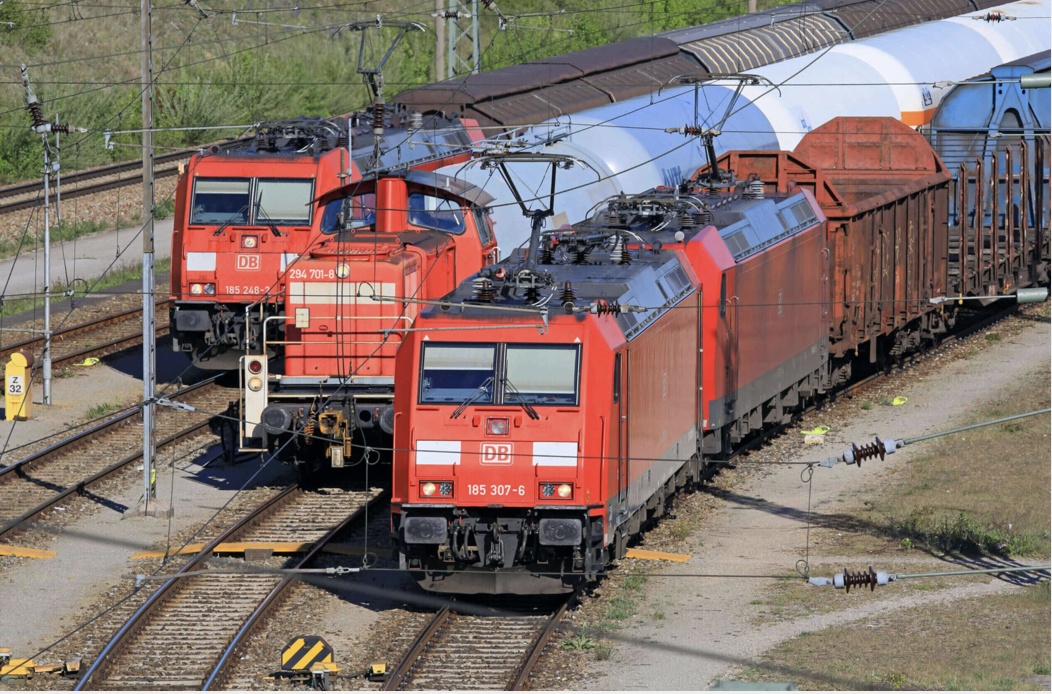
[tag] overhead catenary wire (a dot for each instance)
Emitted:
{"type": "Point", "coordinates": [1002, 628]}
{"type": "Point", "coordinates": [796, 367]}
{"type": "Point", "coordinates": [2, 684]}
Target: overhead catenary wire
{"type": "Point", "coordinates": [849, 579]}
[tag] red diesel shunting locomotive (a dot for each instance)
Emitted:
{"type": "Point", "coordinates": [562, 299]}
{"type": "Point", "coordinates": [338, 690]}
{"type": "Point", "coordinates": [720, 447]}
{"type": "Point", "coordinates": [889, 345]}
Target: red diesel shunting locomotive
{"type": "Point", "coordinates": [413, 235]}
{"type": "Point", "coordinates": [245, 213]}
{"type": "Point", "coordinates": [530, 443]}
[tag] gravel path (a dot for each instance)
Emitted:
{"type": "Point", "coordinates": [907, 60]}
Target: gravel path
{"type": "Point", "coordinates": [710, 625]}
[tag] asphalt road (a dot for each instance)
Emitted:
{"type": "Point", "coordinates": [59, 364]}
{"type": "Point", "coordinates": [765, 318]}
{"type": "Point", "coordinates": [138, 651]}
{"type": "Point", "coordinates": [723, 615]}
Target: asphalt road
{"type": "Point", "coordinates": [85, 259]}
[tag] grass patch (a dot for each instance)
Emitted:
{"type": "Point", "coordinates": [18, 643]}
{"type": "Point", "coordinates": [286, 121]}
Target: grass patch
{"type": "Point", "coordinates": [580, 642]}
{"type": "Point", "coordinates": [990, 643]}
{"type": "Point", "coordinates": [866, 405]}
{"type": "Point", "coordinates": [103, 409]}
{"type": "Point", "coordinates": [679, 529]}
{"type": "Point", "coordinates": [953, 498]}
{"type": "Point", "coordinates": [963, 533]}
{"type": "Point", "coordinates": [61, 292]}
{"type": "Point", "coordinates": [620, 608]}
{"type": "Point", "coordinates": [164, 210]}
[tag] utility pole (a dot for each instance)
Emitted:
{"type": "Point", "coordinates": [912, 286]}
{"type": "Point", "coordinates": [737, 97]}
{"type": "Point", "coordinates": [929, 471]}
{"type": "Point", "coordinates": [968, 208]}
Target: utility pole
{"type": "Point", "coordinates": [149, 332]}
{"type": "Point", "coordinates": [43, 127]}
{"type": "Point", "coordinates": [440, 40]}
{"type": "Point", "coordinates": [463, 36]}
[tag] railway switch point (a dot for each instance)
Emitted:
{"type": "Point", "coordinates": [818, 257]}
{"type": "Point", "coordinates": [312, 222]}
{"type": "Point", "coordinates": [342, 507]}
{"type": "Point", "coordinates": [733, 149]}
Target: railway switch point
{"type": "Point", "coordinates": [18, 401]}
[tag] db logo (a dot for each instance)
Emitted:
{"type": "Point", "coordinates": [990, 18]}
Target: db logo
{"type": "Point", "coordinates": [246, 261]}
{"type": "Point", "coordinates": [496, 454]}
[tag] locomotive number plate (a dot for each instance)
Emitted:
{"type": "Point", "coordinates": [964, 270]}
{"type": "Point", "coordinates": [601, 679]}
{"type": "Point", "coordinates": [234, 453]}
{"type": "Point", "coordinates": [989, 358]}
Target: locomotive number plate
{"type": "Point", "coordinates": [314, 273]}
{"type": "Point", "coordinates": [243, 289]}
{"type": "Point", "coordinates": [496, 490]}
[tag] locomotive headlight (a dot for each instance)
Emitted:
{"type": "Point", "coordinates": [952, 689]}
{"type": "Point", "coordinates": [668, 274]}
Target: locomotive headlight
{"type": "Point", "coordinates": [438, 489]}
{"type": "Point", "coordinates": [552, 489]}
{"type": "Point", "coordinates": [496, 427]}
{"type": "Point", "coordinates": [249, 241]}
{"type": "Point", "coordinates": [343, 270]}
{"type": "Point", "coordinates": [210, 288]}
{"type": "Point", "coordinates": [197, 289]}
{"type": "Point", "coordinates": [255, 384]}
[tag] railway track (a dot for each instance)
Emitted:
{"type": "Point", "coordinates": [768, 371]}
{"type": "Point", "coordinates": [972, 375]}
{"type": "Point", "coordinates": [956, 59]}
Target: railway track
{"type": "Point", "coordinates": [466, 651]}
{"type": "Point", "coordinates": [37, 483]}
{"type": "Point", "coordinates": [77, 342]}
{"type": "Point", "coordinates": [81, 183]}
{"type": "Point", "coordinates": [190, 629]}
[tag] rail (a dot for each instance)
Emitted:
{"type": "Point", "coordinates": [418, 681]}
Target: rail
{"type": "Point", "coordinates": [506, 663]}
{"type": "Point", "coordinates": [138, 655]}
{"type": "Point", "coordinates": [21, 468]}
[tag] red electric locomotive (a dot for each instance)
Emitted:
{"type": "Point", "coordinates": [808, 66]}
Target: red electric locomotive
{"type": "Point", "coordinates": [387, 242]}
{"type": "Point", "coordinates": [552, 405]}
{"type": "Point", "coordinates": [245, 213]}
{"type": "Point", "coordinates": [544, 409]}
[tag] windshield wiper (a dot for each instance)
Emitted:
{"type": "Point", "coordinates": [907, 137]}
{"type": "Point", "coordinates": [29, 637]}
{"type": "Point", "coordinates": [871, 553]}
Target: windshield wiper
{"type": "Point", "coordinates": [260, 212]}
{"type": "Point", "coordinates": [514, 392]}
{"type": "Point", "coordinates": [474, 396]}
{"type": "Point", "coordinates": [234, 218]}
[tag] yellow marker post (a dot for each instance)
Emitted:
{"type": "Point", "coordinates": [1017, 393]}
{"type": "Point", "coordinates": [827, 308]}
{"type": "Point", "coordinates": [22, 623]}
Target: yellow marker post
{"type": "Point", "coordinates": [18, 401]}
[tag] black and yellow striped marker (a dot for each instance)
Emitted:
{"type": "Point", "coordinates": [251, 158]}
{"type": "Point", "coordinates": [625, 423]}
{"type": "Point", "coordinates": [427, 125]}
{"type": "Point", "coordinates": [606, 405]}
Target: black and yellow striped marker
{"type": "Point", "coordinates": [304, 651]}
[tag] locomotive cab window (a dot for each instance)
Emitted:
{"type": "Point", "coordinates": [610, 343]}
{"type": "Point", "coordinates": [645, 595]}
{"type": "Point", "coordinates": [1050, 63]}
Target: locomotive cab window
{"type": "Point", "coordinates": [220, 201]}
{"type": "Point", "coordinates": [485, 227]}
{"type": "Point", "coordinates": [454, 373]}
{"type": "Point", "coordinates": [352, 212]}
{"type": "Point", "coordinates": [436, 213]}
{"type": "Point", "coordinates": [283, 201]}
{"type": "Point", "coordinates": [541, 375]}
{"type": "Point", "coordinates": [487, 374]}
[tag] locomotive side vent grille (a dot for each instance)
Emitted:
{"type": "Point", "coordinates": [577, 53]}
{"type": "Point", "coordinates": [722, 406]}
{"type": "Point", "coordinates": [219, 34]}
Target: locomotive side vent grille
{"type": "Point", "coordinates": [737, 244]}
